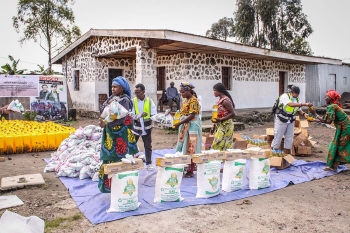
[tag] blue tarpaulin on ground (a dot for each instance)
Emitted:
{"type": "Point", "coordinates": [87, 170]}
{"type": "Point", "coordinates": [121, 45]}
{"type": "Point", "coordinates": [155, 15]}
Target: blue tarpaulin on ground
{"type": "Point", "coordinates": [94, 204]}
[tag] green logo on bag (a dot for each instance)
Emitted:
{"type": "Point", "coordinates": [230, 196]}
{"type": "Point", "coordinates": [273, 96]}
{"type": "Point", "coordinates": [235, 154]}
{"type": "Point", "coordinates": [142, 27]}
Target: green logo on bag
{"type": "Point", "coordinates": [240, 173]}
{"type": "Point", "coordinates": [130, 187]}
{"type": "Point", "coordinates": [266, 168]}
{"type": "Point", "coordinates": [172, 181]}
{"type": "Point", "coordinates": [213, 182]}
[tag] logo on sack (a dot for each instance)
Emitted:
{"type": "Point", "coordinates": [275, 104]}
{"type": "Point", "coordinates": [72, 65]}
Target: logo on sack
{"type": "Point", "coordinates": [214, 182]}
{"type": "Point", "coordinates": [130, 187]}
{"type": "Point", "coordinates": [172, 181]}
{"type": "Point", "coordinates": [266, 168]}
{"type": "Point", "coordinates": [240, 173]}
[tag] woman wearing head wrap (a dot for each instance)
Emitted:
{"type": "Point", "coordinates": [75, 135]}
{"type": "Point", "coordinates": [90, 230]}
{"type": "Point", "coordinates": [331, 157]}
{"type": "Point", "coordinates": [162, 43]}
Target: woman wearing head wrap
{"type": "Point", "coordinates": [190, 125]}
{"type": "Point", "coordinates": [339, 148]}
{"type": "Point", "coordinates": [117, 137]}
{"type": "Point", "coordinates": [223, 126]}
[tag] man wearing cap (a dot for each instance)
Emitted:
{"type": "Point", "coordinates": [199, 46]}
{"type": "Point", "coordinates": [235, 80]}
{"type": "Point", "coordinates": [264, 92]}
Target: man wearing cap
{"type": "Point", "coordinates": [173, 95]}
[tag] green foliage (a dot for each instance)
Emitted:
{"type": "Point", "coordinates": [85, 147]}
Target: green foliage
{"type": "Point", "coordinates": [29, 115]}
{"type": "Point", "coordinates": [11, 69]}
{"type": "Point", "coordinates": [61, 221]}
{"type": "Point", "coordinates": [221, 29]}
{"type": "Point", "coordinates": [48, 22]}
{"type": "Point", "coordinates": [273, 24]}
{"type": "Point", "coordinates": [44, 71]}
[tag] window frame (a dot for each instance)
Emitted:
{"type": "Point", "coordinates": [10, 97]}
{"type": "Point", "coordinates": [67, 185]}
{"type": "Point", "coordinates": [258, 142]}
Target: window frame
{"type": "Point", "coordinates": [227, 79]}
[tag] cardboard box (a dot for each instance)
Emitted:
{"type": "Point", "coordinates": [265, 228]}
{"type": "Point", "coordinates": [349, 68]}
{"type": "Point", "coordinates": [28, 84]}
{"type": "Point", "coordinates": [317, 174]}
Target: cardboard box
{"type": "Point", "coordinates": [237, 136]}
{"type": "Point", "coordinates": [301, 140]}
{"type": "Point", "coordinates": [281, 145]}
{"type": "Point", "coordinates": [118, 167]}
{"type": "Point", "coordinates": [165, 161]}
{"type": "Point", "coordinates": [208, 139]}
{"type": "Point", "coordinates": [261, 137]}
{"type": "Point", "coordinates": [200, 158]}
{"type": "Point", "coordinates": [297, 123]}
{"type": "Point", "coordinates": [229, 156]}
{"type": "Point", "coordinates": [263, 153]}
{"type": "Point", "coordinates": [304, 124]}
{"type": "Point", "coordinates": [2, 159]}
{"type": "Point", "coordinates": [303, 150]}
{"type": "Point", "coordinates": [281, 162]}
{"type": "Point", "coordinates": [270, 134]}
{"type": "Point", "coordinates": [240, 144]}
{"type": "Point", "coordinates": [305, 132]}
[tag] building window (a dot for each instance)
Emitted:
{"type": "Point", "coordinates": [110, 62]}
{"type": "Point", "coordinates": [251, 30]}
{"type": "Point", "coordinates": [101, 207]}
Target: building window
{"type": "Point", "coordinates": [160, 78]}
{"type": "Point", "coordinates": [226, 77]}
{"type": "Point", "coordinates": [345, 81]}
{"type": "Point", "coordinates": [76, 75]}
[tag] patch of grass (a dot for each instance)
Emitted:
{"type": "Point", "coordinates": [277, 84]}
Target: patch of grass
{"type": "Point", "coordinates": [61, 221]}
{"type": "Point", "coordinates": [171, 131]}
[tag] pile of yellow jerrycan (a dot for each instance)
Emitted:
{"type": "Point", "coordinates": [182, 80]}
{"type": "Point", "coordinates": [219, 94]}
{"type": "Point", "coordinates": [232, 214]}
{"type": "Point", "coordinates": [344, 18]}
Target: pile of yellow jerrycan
{"type": "Point", "coordinates": [18, 136]}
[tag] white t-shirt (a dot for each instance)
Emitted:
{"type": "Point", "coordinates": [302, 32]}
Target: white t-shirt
{"type": "Point", "coordinates": [284, 99]}
{"type": "Point", "coordinates": [140, 104]}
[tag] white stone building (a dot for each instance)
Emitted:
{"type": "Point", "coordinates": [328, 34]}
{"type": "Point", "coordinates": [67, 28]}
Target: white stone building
{"type": "Point", "coordinates": [254, 77]}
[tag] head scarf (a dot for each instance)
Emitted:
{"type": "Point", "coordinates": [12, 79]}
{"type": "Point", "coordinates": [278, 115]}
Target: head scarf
{"type": "Point", "coordinates": [121, 81]}
{"type": "Point", "coordinates": [334, 95]}
{"type": "Point", "coordinates": [186, 86]}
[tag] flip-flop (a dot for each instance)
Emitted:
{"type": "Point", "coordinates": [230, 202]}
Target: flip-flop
{"type": "Point", "coordinates": [188, 175]}
{"type": "Point", "coordinates": [328, 169]}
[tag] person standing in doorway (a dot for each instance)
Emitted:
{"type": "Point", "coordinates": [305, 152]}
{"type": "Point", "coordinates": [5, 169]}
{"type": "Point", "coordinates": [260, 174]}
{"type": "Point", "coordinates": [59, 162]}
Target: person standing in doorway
{"type": "Point", "coordinates": [288, 105]}
{"type": "Point", "coordinates": [144, 108]}
{"type": "Point", "coordinates": [173, 95]}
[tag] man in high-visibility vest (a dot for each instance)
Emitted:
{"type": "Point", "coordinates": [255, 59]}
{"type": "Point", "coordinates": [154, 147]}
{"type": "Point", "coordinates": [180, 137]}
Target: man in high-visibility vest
{"type": "Point", "coordinates": [289, 105]}
{"type": "Point", "coordinates": [143, 109]}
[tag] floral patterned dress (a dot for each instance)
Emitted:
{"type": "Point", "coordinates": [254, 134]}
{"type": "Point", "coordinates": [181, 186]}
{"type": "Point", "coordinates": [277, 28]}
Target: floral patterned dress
{"type": "Point", "coordinates": [190, 134]}
{"type": "Point", "coordinates": [117, 141]}
{"type": "Point", "coordinates": [223, 136]}
{"type": "Point", "coordinates": [339, 148]}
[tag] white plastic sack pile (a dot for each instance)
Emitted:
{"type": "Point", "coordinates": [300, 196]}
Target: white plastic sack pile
{"type": "Point", "coordinates": [259, 173]}
{"type": "Point", "coordinates": [232, 177]}
{"type": "Point", "coordinates": [12, 223]}
{"type": "Point", "coordinates": [124, 192]}
{"type": "Point", "coordinates": [114, 111]}
{"type": "Point", "coordinates": [208, 179]}
{"type": "Point", "coordinates": [78, 155]}
{"type": "Point", "coordinates": [164, 118]}
{"type": "Point", "coordinates": [168, 183]}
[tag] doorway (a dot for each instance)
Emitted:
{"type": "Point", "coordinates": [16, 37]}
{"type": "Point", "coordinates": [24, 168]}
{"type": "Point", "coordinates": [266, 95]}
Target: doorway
{"type": "Point", "coordinates": [113, 73]}
{"type": "Point", "coordinates": [331, 83]}
{"type": "Point", "coordinates": [161, 78]}
{"type": "Point", "coordinates": [281, 82]}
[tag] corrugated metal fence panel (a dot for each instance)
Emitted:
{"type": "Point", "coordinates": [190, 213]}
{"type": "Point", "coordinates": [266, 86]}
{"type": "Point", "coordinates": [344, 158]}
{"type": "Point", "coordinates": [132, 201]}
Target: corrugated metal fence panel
{"type": "Point", "coordinates": [312, 85]}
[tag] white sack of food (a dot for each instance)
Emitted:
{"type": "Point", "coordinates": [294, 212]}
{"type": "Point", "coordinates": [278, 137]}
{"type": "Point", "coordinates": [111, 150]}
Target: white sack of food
{"type": "Point", "coordinates": [259, 173]}
{"type": "Point", "coordinates": [168, 184]}
{"type": "Point", "coordinates": [208, 179]}
{"type": "Point", "coordinates": [115, 111]}
{"type": "Point", "coordinates": [124, 192]}
{"type": "Point", "coordinates": [232, 177]}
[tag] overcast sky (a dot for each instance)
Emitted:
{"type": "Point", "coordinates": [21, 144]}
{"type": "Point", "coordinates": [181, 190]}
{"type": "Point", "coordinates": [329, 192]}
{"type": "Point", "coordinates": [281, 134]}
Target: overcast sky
{"type": "Point", "coordinates": [329, 19]}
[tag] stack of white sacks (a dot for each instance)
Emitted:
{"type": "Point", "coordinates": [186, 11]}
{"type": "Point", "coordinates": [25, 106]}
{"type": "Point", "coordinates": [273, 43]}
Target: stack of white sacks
{"type": "Point", "coordinates": [78, 155]}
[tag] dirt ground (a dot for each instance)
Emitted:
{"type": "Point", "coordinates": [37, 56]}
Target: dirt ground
{"type": "Point", "coordinates": [317, 206]}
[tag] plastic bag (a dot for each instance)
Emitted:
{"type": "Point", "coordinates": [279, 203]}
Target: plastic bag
{"type": "Point", "coordinates": [114, 111]}
{"type": "Point", "coordinates": [124, 192]}
{"type": "Point", "coordinates": [168, 183]}
{"type": "Point", "coordinates": [15, 106]}
{"type": "Point", "coordinates": [11, 222]}
{"type": "Point", "coordinates": [208, 179]}
{"type": "Point", "coordinates": [259, 173]}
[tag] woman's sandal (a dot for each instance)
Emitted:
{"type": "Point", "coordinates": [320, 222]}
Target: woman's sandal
{"type": "Point", "coordinates": [329, 169]}
{"type": "Point", "coordinates": [188, 175]}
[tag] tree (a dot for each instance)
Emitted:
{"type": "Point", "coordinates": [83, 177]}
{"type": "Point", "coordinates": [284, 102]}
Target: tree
{"type": "Point", "coordinates": [47, 22]}
{"type": "Point", "coordinates": [11, 69]}
{"type": "Point", "coordinates": [43, 71]}
{"type": "Point", "coordinates": [221, 29]}
{"type": "Point", "coordinates": [273, 24]}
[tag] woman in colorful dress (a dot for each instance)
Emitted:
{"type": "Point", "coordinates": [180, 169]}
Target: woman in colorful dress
{"type": "Point", "coordinates": [223, 126]}
{"type": "Point", "coordinates": [117, 137]}
{"type": "Point", "coordinates": [339, 148]}
{"type": "Point", "coordinates": [190, 125]}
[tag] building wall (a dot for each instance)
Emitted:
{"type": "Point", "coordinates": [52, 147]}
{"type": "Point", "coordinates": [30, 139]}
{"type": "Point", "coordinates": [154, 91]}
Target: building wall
{"type": "Point", "coordinates": [320, 78]}
{"type": "Point", "coordinates": [254, 82]}
{"type": "Point", "coordinates": [251, 79]}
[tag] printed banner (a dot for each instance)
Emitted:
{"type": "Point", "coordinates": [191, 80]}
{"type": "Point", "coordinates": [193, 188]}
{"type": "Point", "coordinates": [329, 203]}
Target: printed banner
{"type": "Point", "coordinates": [51, 101]}
{"type": "Point", "coordinates": [19, 85]}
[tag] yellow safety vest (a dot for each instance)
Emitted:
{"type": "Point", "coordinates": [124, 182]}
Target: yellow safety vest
{"type": "Point", "coordinates": [146, 107]}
